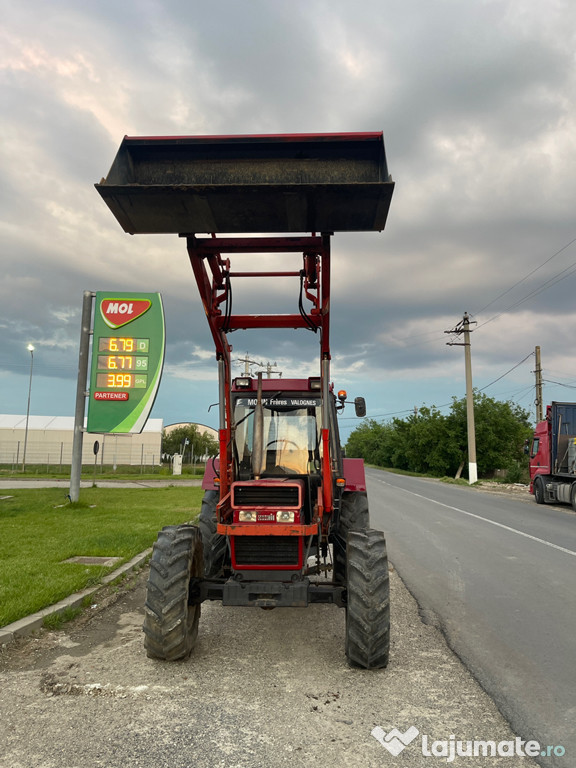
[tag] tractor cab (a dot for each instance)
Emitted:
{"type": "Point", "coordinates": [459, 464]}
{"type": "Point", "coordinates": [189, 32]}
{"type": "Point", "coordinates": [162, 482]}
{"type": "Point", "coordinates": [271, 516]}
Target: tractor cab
{"type": "Point", "coordinates": [291, 429]}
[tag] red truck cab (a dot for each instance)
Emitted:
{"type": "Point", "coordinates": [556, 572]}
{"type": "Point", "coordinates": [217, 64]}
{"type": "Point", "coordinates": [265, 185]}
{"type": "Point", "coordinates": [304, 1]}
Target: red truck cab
{"type": "Point", "coordinates": [553, 456]}
{"type": "Point", "coordinates": [540, 450]}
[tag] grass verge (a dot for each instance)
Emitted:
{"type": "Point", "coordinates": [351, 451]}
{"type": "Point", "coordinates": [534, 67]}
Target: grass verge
{"type": "Point", "coordinates": [122, 472]}
{"type": "Point", "coordinates": [57, 620]}
{"type": "Point", "coordinates": [406, 472]}
{"type": "Point", "coordinates": [40, 529]}
{"type": "Point", "coordinates": [451, 480]}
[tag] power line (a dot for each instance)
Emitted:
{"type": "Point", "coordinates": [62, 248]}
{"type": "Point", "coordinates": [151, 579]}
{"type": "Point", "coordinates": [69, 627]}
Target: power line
{"type": "Point", "coordinates": [559, 384]}
{"type": "Point", "coordinates": [561, 374]}
{"type": "Point", "coordinates": [519, 282]}
{"type": "Point", "coordinates": [378, 415]}
{"type": "Point", "coordinates": [436, 334]}
{"type": "Point", "coordinates": [548, 284]}
{"type": "Point", "coordinates": [566, 272]}
{"type": "Point", "coordinates": [507, 372]}
{"type": "Point", "coordinates": [521, 392]}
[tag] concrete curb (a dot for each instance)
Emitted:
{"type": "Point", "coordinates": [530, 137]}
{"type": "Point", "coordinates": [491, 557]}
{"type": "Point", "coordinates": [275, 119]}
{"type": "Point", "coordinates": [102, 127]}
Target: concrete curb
{"type": "Point", "coordinates": [35, 622]}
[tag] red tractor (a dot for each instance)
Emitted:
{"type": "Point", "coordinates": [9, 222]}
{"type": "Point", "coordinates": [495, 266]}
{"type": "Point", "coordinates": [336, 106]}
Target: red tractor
{"type": "Point", "coordinates": [284, 520]}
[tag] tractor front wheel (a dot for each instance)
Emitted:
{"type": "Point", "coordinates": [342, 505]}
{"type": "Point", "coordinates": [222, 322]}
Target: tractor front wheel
{"type": "Point", "coordinates": [368, 600]}
{"type": "Point", "coordinates": [353, 516]}
{"type": "Point", "coordinates": [170, 620]}
{"type": "Point", "coordinates": [214, 544]}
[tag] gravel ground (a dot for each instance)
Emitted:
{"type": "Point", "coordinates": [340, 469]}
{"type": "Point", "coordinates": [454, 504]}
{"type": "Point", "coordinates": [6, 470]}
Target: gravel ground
{"type": "Point", "coordinates": [262, 689]}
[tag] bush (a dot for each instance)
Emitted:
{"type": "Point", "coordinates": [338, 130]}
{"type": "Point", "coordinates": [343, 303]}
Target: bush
{"type": "Point", "coordinates": [437, 444]}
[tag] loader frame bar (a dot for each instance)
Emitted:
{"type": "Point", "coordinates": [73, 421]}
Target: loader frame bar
{"type": "Point", "coordinates": [210, 261]}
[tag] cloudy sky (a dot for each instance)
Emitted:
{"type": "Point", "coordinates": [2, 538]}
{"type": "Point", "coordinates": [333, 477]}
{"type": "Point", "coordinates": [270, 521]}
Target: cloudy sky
{"type": "Point", "coordinates": [477, 101]}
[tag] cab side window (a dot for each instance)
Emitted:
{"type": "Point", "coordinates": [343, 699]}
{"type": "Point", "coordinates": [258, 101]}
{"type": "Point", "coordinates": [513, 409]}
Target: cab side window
{"type": "Point", "coordinates": [535, 444]}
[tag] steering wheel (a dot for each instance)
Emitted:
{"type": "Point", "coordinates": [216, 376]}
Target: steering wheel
{"type": "Point", "coordinates": [284, 442]}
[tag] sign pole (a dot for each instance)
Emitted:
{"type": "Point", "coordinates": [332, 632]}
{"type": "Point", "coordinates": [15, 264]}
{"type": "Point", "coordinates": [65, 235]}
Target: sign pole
{"type": "Point", "coordinates": [96, 448]}
{"type": "Point", "coordinates": [83, 359]}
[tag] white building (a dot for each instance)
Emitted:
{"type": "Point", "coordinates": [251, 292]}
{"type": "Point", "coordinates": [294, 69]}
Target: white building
{"type": "Point", "coordinates": [50, 442]}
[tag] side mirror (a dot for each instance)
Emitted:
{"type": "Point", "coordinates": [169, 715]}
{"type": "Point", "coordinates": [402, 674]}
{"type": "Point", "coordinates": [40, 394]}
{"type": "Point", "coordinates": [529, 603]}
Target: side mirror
{"type": "Point", "coordinates": [360, 406]}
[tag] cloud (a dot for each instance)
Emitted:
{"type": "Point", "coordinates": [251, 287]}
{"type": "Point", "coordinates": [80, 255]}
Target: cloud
{"type": "Point", "coordinates": [475, 101]}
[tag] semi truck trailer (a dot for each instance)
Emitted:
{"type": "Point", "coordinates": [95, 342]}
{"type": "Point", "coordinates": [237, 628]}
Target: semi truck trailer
{"type": "Point", "coordinates": [553, 456]}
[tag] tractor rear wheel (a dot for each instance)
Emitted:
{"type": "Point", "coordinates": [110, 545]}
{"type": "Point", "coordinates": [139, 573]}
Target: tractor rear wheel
{"type": "Point", "coordinates": [170, 621]}
{"type": "Point", "coordinates": [353, 516]}
{"type": "Point", "coordinates": [214, 543]}
{"type": "Point", "coordinates": [368, 600]}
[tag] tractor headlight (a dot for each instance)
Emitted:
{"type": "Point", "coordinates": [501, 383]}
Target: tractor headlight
{"type": "Point", "coordinates": [247, 516]}
{"type": "Point", "coordinates": [285, 516]}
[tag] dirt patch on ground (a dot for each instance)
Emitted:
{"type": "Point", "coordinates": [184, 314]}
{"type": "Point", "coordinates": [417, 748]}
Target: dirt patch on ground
{"type": "Point", "coordinates": [517, 489]}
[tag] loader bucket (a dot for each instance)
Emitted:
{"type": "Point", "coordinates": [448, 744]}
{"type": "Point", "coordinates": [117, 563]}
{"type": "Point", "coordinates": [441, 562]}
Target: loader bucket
{"type": "Point", "coordinates": [247, 184]}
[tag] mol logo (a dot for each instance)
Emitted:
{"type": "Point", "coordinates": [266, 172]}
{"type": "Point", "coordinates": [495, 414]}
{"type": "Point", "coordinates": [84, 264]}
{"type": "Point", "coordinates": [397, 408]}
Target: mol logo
{"type": "Point", "coordinates": [119, 312]}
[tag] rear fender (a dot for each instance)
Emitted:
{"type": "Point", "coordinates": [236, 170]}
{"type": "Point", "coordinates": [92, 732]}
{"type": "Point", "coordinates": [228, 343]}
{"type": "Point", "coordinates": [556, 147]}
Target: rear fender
{"type": "Point", "coordinates": [210, 473]}
{"type": "Point", "coordinates": [354, 475]}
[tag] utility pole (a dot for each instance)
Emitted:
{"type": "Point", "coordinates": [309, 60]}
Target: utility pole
{"type": "Point", "coordinates": [538, 372]}
{"type": "Point", "coordinates": [247, 363]}
{"type": "Point", "coordinates": [270, 370]}
{"type": "Point", "coordinates": [269, 366]}
{"type": "Point", "coordinates": [463, 328]}
{"type": "Point", "coordinates": [472, 466]}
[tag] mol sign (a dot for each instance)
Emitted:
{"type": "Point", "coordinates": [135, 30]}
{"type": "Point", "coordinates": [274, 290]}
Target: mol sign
{"type": "Point", "coordinates": [128, 345]}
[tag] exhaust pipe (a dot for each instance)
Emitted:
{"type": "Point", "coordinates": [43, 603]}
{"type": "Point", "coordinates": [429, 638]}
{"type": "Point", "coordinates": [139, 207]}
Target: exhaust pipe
{"type": "Point", "coordinates": [258, 441]}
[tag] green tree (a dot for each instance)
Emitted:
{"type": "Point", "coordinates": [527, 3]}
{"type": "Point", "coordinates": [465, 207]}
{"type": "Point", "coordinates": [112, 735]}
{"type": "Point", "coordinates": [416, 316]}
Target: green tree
{"type": "Point", "coordinates": [199, 444]}
{"type": "Point", "coordinates": [429, 448]}
{"type": "Point", "coordinates": [501, 430]}
{"type": "Point", "coordinates": [437, 444]}
{"type": "Point", "coordinates": [372, 441]}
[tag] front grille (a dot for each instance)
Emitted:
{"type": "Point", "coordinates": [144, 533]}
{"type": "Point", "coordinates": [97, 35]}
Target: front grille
{"type": "Point", "coordinates": [265, 495]}
{"type": "Point", "coordinates": [267, 550]}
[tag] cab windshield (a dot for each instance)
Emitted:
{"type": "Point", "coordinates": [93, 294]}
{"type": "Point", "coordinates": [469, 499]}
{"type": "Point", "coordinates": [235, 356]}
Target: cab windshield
{"type": "Point", "coordinates": [291, 434]}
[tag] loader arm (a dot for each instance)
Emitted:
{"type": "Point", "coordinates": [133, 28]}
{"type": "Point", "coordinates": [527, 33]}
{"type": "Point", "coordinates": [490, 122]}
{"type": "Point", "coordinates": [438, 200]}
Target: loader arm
{"type": "Point", "coordinates": [214, 277]}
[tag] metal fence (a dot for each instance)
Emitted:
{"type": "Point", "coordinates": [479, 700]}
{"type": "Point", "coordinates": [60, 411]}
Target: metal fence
{"type": "Point", "coordinates": [113, 451]}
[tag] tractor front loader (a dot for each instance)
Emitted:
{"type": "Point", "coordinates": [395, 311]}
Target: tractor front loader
{"type": "Point", "coordinates": [284, 520]}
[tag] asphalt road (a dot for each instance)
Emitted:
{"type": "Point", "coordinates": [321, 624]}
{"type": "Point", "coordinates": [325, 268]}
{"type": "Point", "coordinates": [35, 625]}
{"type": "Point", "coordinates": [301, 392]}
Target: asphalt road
{"type": "Point", "coordinates": [497, 574]}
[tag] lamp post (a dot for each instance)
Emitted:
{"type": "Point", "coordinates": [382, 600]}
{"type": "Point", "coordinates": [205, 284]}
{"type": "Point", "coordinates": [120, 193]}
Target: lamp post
{"type": "Point", "coordinates": [30, 349]}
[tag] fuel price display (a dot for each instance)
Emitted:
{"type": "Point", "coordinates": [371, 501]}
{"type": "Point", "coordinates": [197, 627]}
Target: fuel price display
{"type": "Point", "coordinates": [122, 363]}
{"type": "Point", "coordinates": [123, 344]}
{"type": "Point", "coordinates": [126, 369]}
{"type": "Point", "coordinates": [120, 381]}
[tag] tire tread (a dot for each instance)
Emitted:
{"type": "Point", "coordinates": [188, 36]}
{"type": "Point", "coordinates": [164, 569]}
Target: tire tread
{"type": "Point", "coordinates": [368, 600]}
{"type": "Point", "coordinates": [170, 623]}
